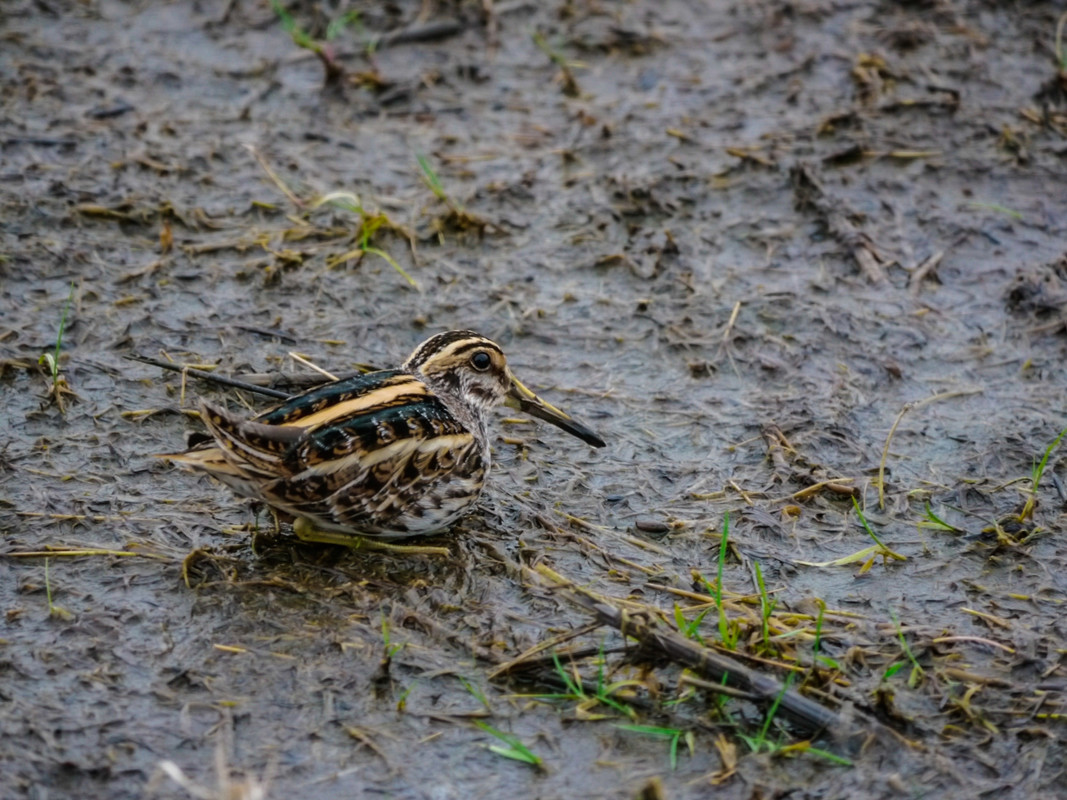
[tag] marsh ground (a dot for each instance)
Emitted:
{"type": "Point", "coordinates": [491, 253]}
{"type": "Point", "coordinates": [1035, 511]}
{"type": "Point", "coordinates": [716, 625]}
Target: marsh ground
{"type": "Point", "coordinates": [741, 239]}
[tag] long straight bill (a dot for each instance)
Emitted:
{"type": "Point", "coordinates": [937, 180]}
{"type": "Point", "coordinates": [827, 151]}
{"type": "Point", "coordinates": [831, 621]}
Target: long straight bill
{"type": "Point", "coordinates": [522, 399]}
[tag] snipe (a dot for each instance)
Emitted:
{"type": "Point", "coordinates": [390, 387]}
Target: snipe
{"type": "Point", "coordinates": [382, 456]}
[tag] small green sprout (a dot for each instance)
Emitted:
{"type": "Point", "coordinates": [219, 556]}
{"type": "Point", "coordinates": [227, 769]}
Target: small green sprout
{"type": "Point", "coordinates": [51, 360]}
{"type": "Point", "coordinates": [917, 672]}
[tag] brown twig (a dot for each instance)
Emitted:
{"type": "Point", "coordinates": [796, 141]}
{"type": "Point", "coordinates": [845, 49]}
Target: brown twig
{"type": "Point", "coordinates": [927, 267]}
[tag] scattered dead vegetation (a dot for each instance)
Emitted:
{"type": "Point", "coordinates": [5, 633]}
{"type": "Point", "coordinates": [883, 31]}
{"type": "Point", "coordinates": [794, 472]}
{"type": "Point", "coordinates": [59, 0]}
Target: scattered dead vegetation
{"type": "Point", "coordinates": [804, 260]}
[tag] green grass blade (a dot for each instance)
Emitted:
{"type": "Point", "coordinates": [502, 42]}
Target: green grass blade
{"type": "Point", "coordinates": [429, 176]}
{"type": "Point", "coordinates": [936, 523]}
{"type": "Point", "coordinates": [831, 757]}
{"type": "Point", "coordinates": [766, 604]}
{"type": "Point", "coordinates": [515, 749]}
{"type": "Point", "coordinates": [337, 26]}
{"type": "Point", "coordinates": [574, 688]}
{"type": "Point", "coordinates": [296, 33]}
{"type": "Point", "coordinates": [475, 692]}
{"type": "Point", "coordinates": [724, 624]}
{"type": "Point", "coordinates": [1039, 470]}
{"type": "Point", "coordinates": [51, 360]}
{"type": "Point", "coordinates": [998, 208]}
{"type": "Point", "coordinates": [917, 672]}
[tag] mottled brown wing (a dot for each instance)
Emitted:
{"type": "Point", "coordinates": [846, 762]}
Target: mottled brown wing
{"type": "Point", "coordinates": [418, 491]}
{"type": "Point", "coordinates": [372, 471]}
{"type": "Point", "coordinates": [253, 447]}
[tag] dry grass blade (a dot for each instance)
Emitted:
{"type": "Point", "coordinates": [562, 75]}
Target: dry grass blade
{"type": "Point", "coordinates": [892, 431]}
{"type": "Point", "coordinates": [926, 268]}
{"type": "Point", "coordinates": [78, 552]}
{"type": "Point", "coordinates": [297, 357]}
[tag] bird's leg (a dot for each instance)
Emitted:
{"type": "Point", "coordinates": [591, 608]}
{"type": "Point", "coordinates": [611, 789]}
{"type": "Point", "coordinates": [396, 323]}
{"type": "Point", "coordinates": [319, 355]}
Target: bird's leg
{"type": "Point", "coordinates": [307, 532]}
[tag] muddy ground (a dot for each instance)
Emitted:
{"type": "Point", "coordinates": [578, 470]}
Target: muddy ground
{"type": "Point", "coordinates": [770, 250]}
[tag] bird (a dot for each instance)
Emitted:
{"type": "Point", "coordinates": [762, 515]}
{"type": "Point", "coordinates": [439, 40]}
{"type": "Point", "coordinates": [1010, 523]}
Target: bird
{"type": "Point", "coordinates": [377, 457]}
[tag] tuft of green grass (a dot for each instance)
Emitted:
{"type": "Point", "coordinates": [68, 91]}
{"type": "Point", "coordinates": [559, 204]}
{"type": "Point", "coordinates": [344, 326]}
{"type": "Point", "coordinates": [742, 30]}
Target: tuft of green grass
{"type": "Point", "coordinates": [602, 693]}
{"type": "Point", "coordinates": [771, 712]}
{"type": "Point", "coordinates": [575, 691]}
{"type": "Point", "coordinates": [760, 741]}
{"type": "Point", "coordinates": [728, 634]}
{"type": "Point", "coordinates": [433, 183]}
{"type": "Point", "coordinates": [689, 628]}
{"type": "Point", "coordinates": [729, 631]}
{"type": "Point", "coordinates": [432, 180]}
{"type": "Point", "coordinates": [866, 525]}
{"type": "Point", "coordinates": [566, 74]}
{"type": "Point", "coordinates": [675, 735]}
{"type": "Point", "coordinates": [880, 548]}
{"type": "Point", "coordinates": [51, 360]}
{"type": "Point", "coordinates": [1036, 473]}
{"type": "Point", "coordinates": [301, 38]}
{"type": "Point", "coordinates": [402, 701]}
{"type": "Point", "coordinates": [369, 225]}
{"type": "Point", "coordinates": [605, 690]}
{"type": "Point", "coordinates": [337, 26]}
{"type": "Point", "coordinates": [515, 749]}
{"type": "Point", "coordinates": [458, 216]}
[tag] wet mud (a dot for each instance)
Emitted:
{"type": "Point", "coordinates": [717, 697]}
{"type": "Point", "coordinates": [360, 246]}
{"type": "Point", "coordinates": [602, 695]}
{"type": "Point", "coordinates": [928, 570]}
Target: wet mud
{"type": "Point", "coordinates": [802, 265]}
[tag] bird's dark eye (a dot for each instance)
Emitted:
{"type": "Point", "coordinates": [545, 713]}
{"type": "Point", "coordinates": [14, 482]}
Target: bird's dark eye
{"type": "Point", "coordinates": [481, 361]}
